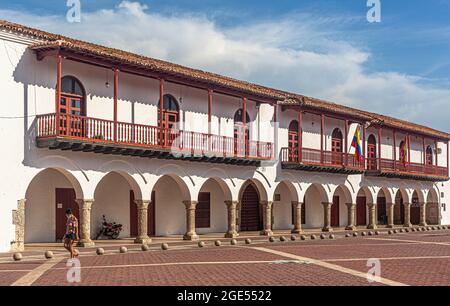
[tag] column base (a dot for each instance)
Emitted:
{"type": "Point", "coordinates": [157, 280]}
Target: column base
{"type": "Point", "coordinates": [372, 226]}
{"type": "Point", "coordinates": [327, 229]}
{"type": "Point", "coordinates": [423, 224]}
{"type": "Point", "coordinates": [231, 235]}
{"type": "Point", "coordinates": [190, 236]}
{"type": "Point", "coordinates": [350, 228]}
{"type": "Point", "coordinates": [86, 243]}
{"type": "Point", "coordinates": [142, 240]}
{"type": "Point", "coordinates": [407, 225]}
{"type": "Point", "coordinates": [17, 247]}
{"type": "Point", "coordinates": [297, 231]}
{"type": "Point", "coordinates": [266, 233]}
{"type": "Point", "coordinates": [390, 226]}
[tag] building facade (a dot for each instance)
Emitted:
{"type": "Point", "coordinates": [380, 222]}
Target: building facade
{"type": "Point", "coordinates": [168, 150]}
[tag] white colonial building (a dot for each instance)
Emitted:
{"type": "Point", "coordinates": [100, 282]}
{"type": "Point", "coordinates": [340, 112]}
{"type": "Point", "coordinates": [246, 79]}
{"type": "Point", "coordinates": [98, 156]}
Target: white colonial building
{"type": "Point", "coordinates": [170, 150]}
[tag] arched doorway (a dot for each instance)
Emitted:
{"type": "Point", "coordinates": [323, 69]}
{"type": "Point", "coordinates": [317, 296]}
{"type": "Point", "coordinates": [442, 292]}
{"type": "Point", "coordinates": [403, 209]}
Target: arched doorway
{"type": "Point", "coordinates": [170, 191]}
{"type": "Point", "coordinates": [170, 119]}
{"type": "Point", "coordinates": [415, 209]}
{"type": "Point", "coordinates": [71, 106]}
{"type": "Point", "coordinates": [114, 198]}
{"type": "Point", "coordinates": [250, 210]}
{"type": "Point", "coordinates": [293, 140]}
{"type": "Point", "coordinates": [50, 193]}
{"type": "Point", "coordinates": [282, 209]}
{"type": "Point", "coordinates": [399, 209]}
{"type": "Point", "coordinates": [429, 156]}
{"type": "Point", "coordinates": [382, 217]}
{"type": "Point", "coordinates": [315, 195]}
{"type": "Point", "coordinates": [371, 153]}
{"type": "Point", "coordinates": [211, 211]}
{"type": "Point", "coordinates": [241, 133]}
{"type": "Point", "coordinates": [336, 147]}
{"type": "Point", "coordinates": [432, 208]}
{"type": "Point", "coordinates": [361, 208]}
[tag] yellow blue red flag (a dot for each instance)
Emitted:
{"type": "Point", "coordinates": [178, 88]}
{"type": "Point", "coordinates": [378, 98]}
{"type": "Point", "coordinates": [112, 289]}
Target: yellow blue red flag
{"type": "Point", "coordinates": [356, 143]}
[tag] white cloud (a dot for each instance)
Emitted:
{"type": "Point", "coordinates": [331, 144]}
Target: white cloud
{"type": "Point", "coordinates": [298, 53]}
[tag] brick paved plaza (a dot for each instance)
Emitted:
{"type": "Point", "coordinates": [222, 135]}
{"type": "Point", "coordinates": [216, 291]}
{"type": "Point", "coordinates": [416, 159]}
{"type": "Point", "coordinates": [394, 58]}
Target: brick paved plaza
{"type": "Point", "coordinates": [415, 258]}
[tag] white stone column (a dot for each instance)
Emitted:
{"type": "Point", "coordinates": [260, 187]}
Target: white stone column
{"type": "Point", "coordinates": [423, 214]}
{"type": "Point", "coordinates": [232, 213]}
{"type": "Point", "coordinates": [351, 211]}
{"type": "Point", "coordinates": [390, 215]}
{"type": "Point", "coordinates": [85, 223]}
{"type": "Point", "coordinates": [372, 216]}
{"type": "Point", "coordinates": [19, 222]}
{"type": "Point", "coordinates": [407, 207]}
{"type": "Point", "coordinates": [327, 217]}
{"type": "Point", "coordinates": [297, 208]}
{"type": "Point", "coordinates": [142, 208]}
{"type": "Point", "coordinates": [267, 218]}
{"type": "Point", "coordinates": [190, 220]}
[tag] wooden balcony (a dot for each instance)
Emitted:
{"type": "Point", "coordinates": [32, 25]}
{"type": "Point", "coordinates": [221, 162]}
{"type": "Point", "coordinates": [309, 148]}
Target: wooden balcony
{"type": "Point", "coordinates": [79, 133]}
{"type": "Point", "coordinates": [406, 170]}
{"type": "Point", "coordinates": [321, 161]}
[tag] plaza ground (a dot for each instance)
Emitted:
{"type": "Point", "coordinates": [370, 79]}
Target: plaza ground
{"type": "Point", "coordinates": [408, 258]}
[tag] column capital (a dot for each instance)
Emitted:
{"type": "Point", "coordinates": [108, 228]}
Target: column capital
{"type": "Point", "coordinates": [296, 203]}
{"type": "Point", "coordinates": [85, 203]}
{"type": "Point", "coordinates": [231, 204]}
{"type": "Point", "coordinates": [350, 205]}
{"type": "Point", "coordinates": [190, 204]}
{"type": "Point", "coordinates": [371, 205]}
{"type": "Point", "coordinates": [266, 203]}
{"type": "Point", "coordinates": [142, 204]}
{"type": "Point", "coordinates": [327, 203]}
{"type": "Point", "coordinates": [21, 204]}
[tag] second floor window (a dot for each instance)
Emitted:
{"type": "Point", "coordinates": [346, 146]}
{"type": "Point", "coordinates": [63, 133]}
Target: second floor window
{"type": "Point", "coordinates": [429, 156]}
{"type": "Point", "coordinates": [372, 153]}
{"type": "Point", "coordinates": [336, 147]}
{"type": "Point", "coordinates": [171, 112]}
{"type": "Point", "coordinates": [293, 140]}
{"type": "Point", "coordinates": [241, 133]}
{"type": "Point", "coordinates": [72, 97]}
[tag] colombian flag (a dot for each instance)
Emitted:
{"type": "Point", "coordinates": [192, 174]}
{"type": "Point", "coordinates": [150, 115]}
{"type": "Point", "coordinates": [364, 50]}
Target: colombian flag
{"type": "Point", "coordinates": [356, 143]}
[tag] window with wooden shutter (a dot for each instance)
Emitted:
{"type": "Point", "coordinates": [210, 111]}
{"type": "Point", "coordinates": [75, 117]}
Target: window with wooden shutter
{"type": "Point", "coordinates": [203, 211]}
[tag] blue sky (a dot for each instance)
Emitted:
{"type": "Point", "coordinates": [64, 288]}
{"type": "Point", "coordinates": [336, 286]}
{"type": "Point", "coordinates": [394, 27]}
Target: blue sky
{"type": "Point", "coordinates": [399, 67]}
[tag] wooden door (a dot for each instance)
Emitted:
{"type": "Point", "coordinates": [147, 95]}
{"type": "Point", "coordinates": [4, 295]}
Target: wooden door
{"type": "Point", "coordinates": [361, 211]}
{"type": "Point", "coordinates": [429, 157]}
{"type": "Point", "coordinates": [336, 148]}
{"type": "Point", "coordinates": [169, 125]}
{"type": "Point", "coordinates": [241, 140]}
{"type": "Point", "coordinates": [335, 212]}
{"type": "Point", "coordinates": [71, 110]}
{"type": "Point", "coordinates": [203, 211]}
{"type": "Point", "coordinates": [64, 199]}
{"type": "Point", "coordinates": [293, 140]}
{"type": "Point", "coordinates": [250, 210]}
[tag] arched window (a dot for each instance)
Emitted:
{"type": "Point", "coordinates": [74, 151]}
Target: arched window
{"type": "Point", "coordinates": [372, 153]}
{"type": "Point", "coordinates": [429, 156]}
{"type": "Point", "coordinates": [336, 147]}
{"type": "Point", "coordinates": [171, 112]}
{"type": "Point", "coordinates": [72, 97]}
{"type": "Point", "coordinates": [241, 133]}
{"type": "Point", "coordinates": [293, 140]}
{"type": "Point", "coordinates": [72, 106]}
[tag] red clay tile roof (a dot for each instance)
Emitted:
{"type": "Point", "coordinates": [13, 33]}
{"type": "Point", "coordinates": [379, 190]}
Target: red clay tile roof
{"type": "Point", "coordinates": [50, 40]}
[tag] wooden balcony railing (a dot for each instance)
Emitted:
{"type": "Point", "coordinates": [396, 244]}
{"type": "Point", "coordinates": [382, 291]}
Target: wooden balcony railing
{"type": "Point", "coordinates": [315, 157]}
{"type": "Point", "coordinates": [146, 136]}
{"type": "Point", "coordinates": [389, 165]}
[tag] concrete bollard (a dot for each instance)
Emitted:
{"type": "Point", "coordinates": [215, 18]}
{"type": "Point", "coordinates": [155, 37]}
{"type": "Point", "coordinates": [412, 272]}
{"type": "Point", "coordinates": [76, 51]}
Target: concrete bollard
{"type": "Point", "coordinates": [217, 243]}
{"type": "Point", "coordinates": [201, 244]}
{"type": "Point", "coordinates": [100, 251]}
{"type": "Point", "coordinates": [164, 246]}
{"type": "Point", "coordinates": [248, 241]}
{"type": "Point", "coordinates": [123, 249]}
{"type": "Point", "coordinates": [233, 242]}
{"type": "Point", "coordinates": [145, 248]}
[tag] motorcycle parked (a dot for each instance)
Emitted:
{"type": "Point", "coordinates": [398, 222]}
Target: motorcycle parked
{"type": "Point", "coordinates": [111, 230]}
